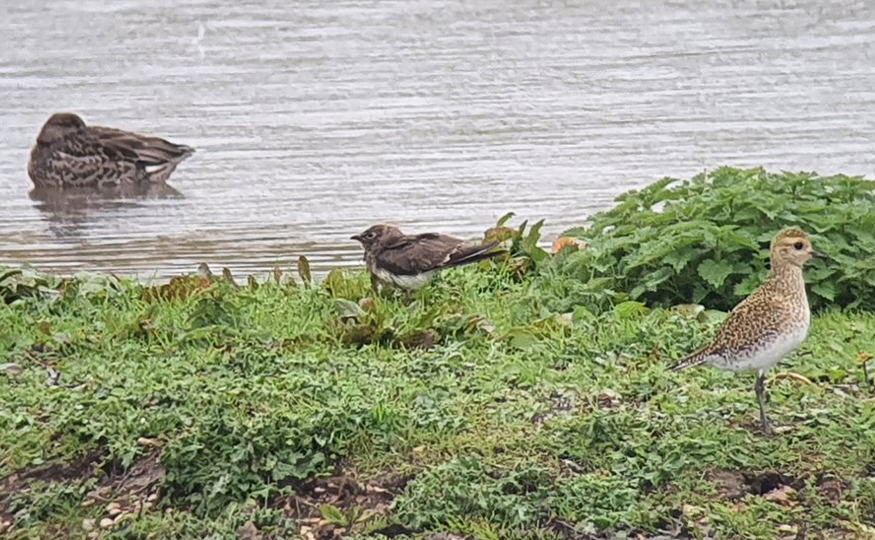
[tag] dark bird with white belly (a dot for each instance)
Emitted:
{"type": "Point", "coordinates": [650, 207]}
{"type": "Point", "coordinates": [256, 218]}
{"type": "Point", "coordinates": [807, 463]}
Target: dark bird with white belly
{"type": "Point", "coordinates": [408, 262]}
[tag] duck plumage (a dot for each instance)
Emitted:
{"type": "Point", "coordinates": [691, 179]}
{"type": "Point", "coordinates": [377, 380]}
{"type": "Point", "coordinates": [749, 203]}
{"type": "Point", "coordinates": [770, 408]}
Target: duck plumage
{"type": "Point", "coordinates": [68, 153]}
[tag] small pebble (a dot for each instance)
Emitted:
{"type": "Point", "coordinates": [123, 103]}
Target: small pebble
{"type": "Point", "coordinates": [88, 525]}
{"type": "Point", "coordinates": [113, 506]}
{"type": "Point", "coordinates": [114, 512]}
{"type": "Point", "coordinates": [152, 497]}
{"type": "Point", "coordinates": [87, 502]}
{"type": "Point", "coordinates": [12, 369]}
{"type": "Point", "coordinates": [106, 523]}
{"type": "Point", "coordinates": [248, 531]}
{"type": "Point", "coordinates": [148, 441]}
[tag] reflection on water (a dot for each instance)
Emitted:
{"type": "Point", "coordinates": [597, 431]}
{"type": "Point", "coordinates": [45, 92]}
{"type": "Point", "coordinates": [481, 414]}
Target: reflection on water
{"type": "Point", "coordinates": [67, 210]}
{"type": "Point", "coordinates": [313, 121]}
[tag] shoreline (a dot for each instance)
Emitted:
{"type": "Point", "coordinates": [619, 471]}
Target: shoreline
{"type": "Point", "coordinates": [528, 396]}
{"type": "Point", "coordinates": [358, 420]}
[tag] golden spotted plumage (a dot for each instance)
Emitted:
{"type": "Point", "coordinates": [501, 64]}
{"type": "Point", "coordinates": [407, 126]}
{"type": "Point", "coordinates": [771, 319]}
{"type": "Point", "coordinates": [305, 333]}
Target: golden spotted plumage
{"type": "Point", "coordinates": [768, 324]}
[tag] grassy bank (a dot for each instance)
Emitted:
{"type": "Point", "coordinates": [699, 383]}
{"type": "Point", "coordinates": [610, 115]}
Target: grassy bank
{"type": "Point", "coordinates": [528, 397]}
{"type": "Point", "coordinates": [209, 410]}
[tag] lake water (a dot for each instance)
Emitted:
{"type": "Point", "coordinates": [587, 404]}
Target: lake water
{"type": "Point", "coordinates": [314, 119]}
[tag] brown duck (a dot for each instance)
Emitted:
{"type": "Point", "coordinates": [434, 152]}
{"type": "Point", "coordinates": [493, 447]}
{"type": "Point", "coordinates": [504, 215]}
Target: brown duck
{"type": "Point", "coordinates": [68, 153]}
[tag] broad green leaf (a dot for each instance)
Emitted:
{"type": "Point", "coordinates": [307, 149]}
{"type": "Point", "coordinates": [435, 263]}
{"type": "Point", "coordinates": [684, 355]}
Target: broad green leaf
{"type": "Point", "coordinates": [504, 219]}
{"type": "Point", "coordinates": [522, 339]}
{"type": "Point", "coordinates": [333, 515]}
{"type": "Point", "coordinates": [630, 309]}
{"type": "Point", "coordinates": [826, 289]}
{"type": "Point", "coordinates": [347, 309]}
{"type": "Point", "coordinates": [713, 272]}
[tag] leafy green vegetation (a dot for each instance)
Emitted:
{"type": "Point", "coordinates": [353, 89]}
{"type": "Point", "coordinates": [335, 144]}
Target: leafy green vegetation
{"type": "Point", "coordinates": [706, 240]}
{"type": "Point", "coordinates": [499, 426]}
{"type": "Point", "coordinates": [481, 407]}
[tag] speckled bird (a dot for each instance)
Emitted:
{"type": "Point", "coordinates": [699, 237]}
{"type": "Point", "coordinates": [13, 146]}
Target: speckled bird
{"type": "Point", "coordinates": [767, 325]}
{"type": "Point", "coordinates": [68, 153]}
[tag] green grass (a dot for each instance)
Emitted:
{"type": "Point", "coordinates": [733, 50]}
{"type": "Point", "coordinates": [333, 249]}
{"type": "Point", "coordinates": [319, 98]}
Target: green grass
{"type": "Point", "coordinates": [516, 423]}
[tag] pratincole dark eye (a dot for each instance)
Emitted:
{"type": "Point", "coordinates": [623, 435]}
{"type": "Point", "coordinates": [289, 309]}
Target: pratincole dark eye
{"type": "Point", "coordinates": [798, 245]}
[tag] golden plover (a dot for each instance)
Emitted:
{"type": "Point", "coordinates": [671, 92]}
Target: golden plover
{"type": "Point", "coordinates": [767, 325]}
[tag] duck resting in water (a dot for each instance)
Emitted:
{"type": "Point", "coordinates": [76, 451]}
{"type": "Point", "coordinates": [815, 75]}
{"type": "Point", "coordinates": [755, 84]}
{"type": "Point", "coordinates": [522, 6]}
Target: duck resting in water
{"type": "Point", "coordinates": [68, 153]}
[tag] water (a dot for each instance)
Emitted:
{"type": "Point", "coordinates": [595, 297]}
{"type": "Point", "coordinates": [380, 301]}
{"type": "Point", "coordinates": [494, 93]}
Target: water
{"type": "Point", "coordinates": [314, 119]}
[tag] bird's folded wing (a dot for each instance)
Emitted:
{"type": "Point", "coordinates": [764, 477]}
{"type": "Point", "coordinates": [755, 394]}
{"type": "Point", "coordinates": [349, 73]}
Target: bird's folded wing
{"type": "Point", "coordinates": [465, 254]}
{"type": "Point", "coordinates": [416, 254]}
{"type": "Point", "coordinates": [754, 320]}
{"type": "Point", "coordinates": [138, 148]}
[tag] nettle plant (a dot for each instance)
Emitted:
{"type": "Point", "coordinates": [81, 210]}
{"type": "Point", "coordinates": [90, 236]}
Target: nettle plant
{"type": "Point", "coordinates": [706, 241]}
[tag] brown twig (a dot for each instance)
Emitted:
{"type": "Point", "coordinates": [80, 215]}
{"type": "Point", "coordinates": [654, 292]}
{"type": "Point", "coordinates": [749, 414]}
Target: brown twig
{"type": "Point", "coordinates": [794, 376]}
{"type": "Point", "coordinates": [869, 384]}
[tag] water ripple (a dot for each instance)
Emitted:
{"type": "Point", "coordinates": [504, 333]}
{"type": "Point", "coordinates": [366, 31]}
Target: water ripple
{"type": "Point", "coordinates": [311, 123]}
